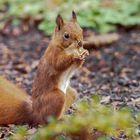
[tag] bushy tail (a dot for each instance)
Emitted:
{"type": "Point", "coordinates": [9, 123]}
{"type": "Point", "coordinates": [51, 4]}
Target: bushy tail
{"type": "Point", "coordinates": [15, 104]}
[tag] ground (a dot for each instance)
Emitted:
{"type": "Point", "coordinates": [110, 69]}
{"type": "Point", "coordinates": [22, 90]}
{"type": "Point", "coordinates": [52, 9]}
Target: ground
{"type": "Point", "coordinates": [112, 71]}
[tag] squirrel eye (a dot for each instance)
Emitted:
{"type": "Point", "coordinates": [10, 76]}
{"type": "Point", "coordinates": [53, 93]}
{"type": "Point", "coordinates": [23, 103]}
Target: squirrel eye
{"type": "Point", "coordinates": [66, 35]}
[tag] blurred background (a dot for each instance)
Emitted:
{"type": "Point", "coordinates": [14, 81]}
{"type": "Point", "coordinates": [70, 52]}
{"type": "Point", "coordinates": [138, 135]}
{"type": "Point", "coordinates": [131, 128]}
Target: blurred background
{"type": "Point", "coordinates": [111, 29]}
{"type": "Point", "coordinates": [102, 15]}
{"type": "Point", "coordinates": [112, 70]}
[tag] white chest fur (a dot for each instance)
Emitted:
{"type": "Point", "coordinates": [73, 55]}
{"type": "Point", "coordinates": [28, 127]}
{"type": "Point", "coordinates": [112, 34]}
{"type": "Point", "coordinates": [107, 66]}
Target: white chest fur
{"type": "Point", "coordinates": [65, 78]}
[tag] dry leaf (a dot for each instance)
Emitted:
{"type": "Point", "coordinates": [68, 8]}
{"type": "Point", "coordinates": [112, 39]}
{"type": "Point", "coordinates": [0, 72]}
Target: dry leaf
{"type": "Point", "coordinates": [95, 41]}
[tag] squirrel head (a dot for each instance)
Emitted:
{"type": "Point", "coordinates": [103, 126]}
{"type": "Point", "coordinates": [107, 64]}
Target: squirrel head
{"type": "Point", "coordinates": [67, 33]}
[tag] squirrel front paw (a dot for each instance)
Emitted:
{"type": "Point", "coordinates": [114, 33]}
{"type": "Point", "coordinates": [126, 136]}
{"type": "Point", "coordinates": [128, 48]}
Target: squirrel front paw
{"type": "Point", "coordinates": [81, 57]}
{"type": "Point", "coordinates": [84, 54]}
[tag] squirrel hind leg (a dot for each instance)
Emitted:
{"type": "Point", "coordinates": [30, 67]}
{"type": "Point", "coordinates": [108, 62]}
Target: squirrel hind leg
{"type": "Point", "coordinates": [53, 105]}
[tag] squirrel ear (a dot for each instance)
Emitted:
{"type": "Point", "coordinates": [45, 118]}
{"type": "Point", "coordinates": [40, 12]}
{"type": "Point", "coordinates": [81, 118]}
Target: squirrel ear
{"type": "Point", "coordinates": [74, 17]}
{"type": "Point", "coordinates": [59, 22]}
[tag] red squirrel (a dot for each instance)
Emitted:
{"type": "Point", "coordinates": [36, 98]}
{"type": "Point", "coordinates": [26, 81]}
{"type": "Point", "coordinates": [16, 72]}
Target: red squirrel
{"type": "Point", "coordinates": [51, 91]}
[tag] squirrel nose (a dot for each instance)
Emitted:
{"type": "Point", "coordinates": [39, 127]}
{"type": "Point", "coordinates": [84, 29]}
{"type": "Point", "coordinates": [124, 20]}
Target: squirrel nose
{"type": "Point", "coordinates": [80, 44]}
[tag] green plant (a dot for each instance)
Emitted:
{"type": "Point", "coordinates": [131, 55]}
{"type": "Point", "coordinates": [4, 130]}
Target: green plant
{"type": "Point", "coordinates": [102, 15]}
{"type": "Point", "coordinates": [89, 115]}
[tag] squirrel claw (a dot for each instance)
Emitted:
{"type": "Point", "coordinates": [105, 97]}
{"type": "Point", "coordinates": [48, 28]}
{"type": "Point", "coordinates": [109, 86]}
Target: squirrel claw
{"type": "Point", "coordinates": [82, 56]}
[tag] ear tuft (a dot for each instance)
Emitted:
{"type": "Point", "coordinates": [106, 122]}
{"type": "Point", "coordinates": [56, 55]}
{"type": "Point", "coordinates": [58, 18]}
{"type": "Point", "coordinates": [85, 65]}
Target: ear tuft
{"type": "Point", "coordinates": [59, 22]}
{"type": "Point", "coordinates": [74, 17]}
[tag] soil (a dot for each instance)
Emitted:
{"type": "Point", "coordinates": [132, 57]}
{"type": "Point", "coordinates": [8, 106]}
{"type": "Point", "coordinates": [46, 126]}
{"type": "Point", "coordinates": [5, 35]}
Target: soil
{"type": "Point", "coordinates": [112, 71]}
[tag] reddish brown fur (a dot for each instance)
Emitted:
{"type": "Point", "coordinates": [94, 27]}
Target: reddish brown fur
{"type": "Point", "coordinates": [47, 97]}
{"type": "Point", "coordinates": [15, 104]}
